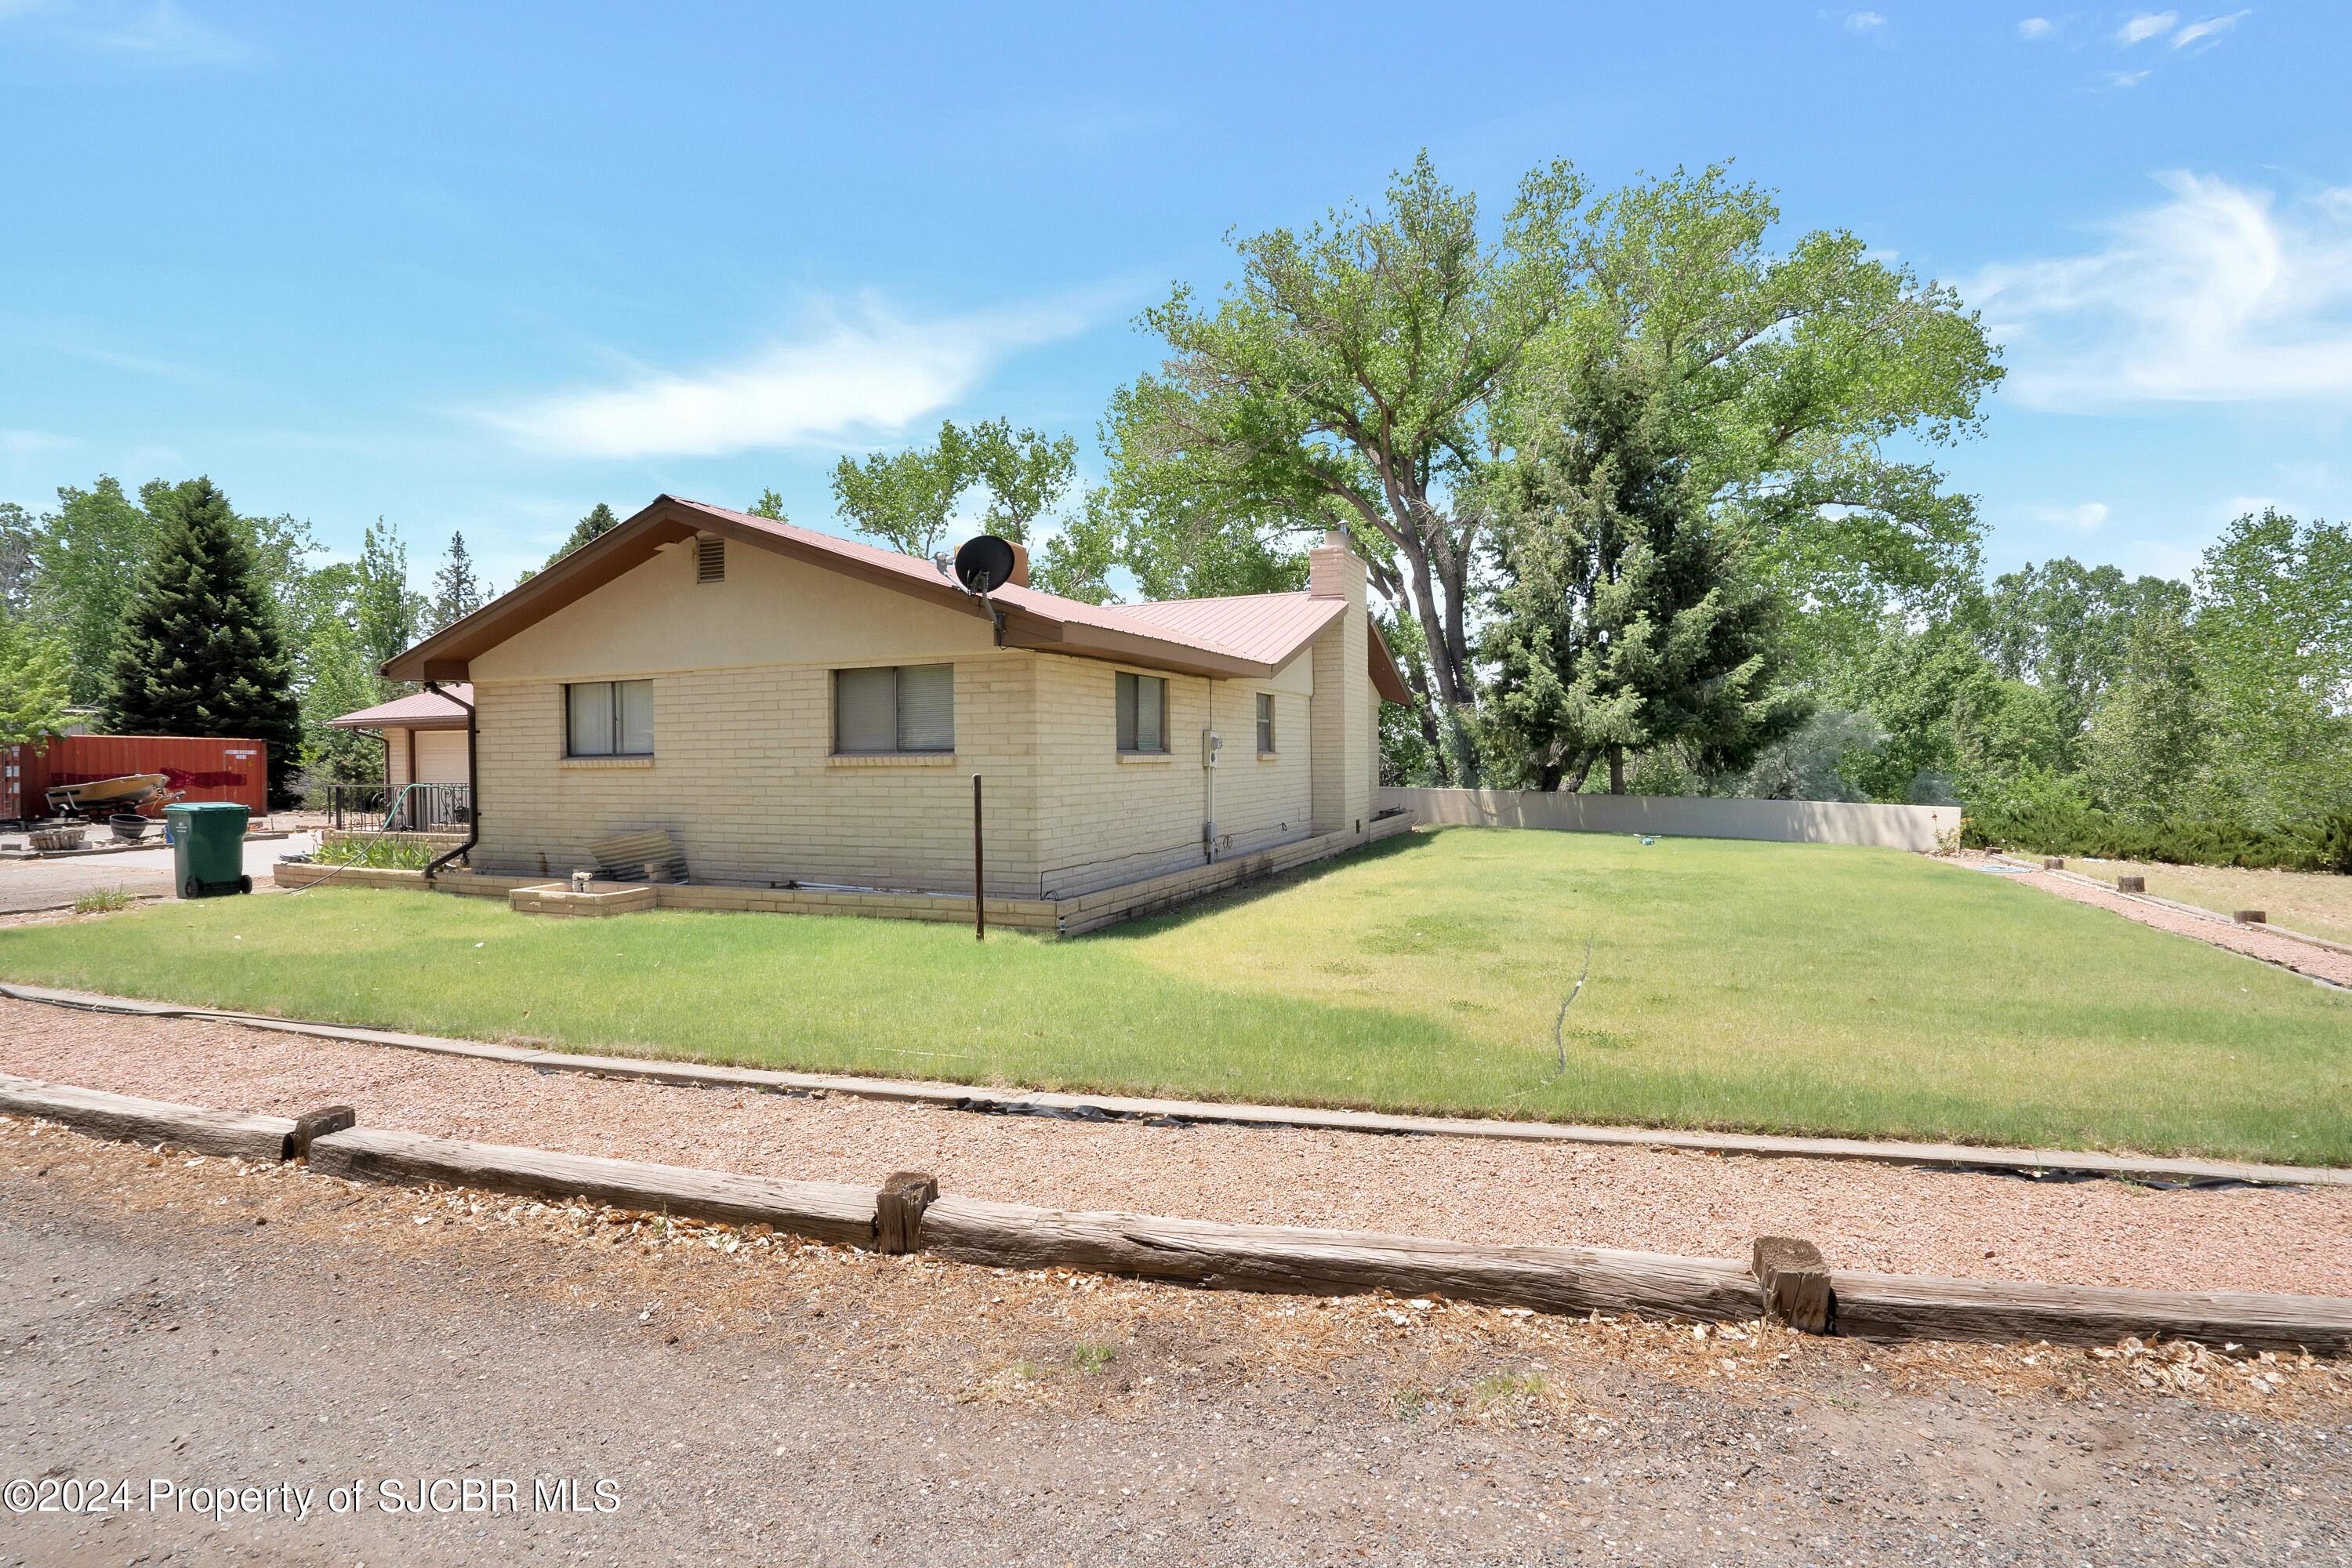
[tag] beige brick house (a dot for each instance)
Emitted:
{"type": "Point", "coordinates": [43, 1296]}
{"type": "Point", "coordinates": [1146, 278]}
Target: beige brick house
{"type": "Point", "coordinates": [799, 711]}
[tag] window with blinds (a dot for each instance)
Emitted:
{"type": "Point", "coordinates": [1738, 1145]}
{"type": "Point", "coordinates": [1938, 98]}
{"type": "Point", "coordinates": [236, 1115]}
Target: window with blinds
{"type": "Point", "coordinates": [1142, 712]}
{"type": "Point", "coordinates": [1265, 723]}
{"type": "Point", "coordinates": [897, 707]}
{"type": "Point", "coordinates": [608, 718]}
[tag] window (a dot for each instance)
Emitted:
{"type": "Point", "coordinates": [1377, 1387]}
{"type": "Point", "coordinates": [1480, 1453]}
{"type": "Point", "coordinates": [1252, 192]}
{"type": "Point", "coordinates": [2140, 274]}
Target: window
{"type": "Point", "coordinates": [897, 707]}
{"type": "Point", "coordinates": [709, 559]}
{"type": "Point", "coordinates": [1142, 712]}
{"type": "Point", "coordinates": [609, 719]}
{"type": "Point", "coordinates": [1265, 722]}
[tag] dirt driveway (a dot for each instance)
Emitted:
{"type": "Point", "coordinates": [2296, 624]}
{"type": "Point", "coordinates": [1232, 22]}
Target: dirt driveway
{"type": "Point", "coordinates": [186, 1328]}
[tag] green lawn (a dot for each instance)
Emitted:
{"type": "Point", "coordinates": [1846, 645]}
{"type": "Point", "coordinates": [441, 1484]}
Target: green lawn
{"type": "Point", "coordinates": [1760, 986]}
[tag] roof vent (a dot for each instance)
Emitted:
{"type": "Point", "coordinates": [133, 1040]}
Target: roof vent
{"type": "Point", "coordinates": [709, 559]}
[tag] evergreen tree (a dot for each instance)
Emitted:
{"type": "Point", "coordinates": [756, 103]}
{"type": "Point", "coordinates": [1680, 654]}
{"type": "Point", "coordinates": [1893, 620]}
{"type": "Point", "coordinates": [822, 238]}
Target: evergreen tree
{"type": "Point", "coordinates": [200, 651]}
{"type": "Point", "coordinates": [600, 520]}
{"type": "Point", "coordinates": [456, 593]}
{"type": "Point", "coordinates": [1627, 620]}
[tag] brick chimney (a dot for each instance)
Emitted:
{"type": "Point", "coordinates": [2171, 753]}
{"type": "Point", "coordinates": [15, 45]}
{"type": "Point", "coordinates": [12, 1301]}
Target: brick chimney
{"type": "Point", "coordinates": [1333, 572]}
{"type": "Point", "coordinates": [1343, 716]}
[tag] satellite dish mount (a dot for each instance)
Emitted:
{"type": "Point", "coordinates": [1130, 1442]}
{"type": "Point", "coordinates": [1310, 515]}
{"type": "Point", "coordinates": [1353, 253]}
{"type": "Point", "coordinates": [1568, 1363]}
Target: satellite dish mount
{"type": "Point", "coordinates": [987, 563]}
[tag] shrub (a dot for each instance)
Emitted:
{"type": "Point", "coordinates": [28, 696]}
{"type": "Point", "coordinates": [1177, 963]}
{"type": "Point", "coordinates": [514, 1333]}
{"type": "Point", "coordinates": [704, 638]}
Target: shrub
{"type": "Point", "coordinates": [374, 852]}
{"type": "Point", "coordinates": [2053, 824]}
{"type": "Point", "coordinates": [2333, 849]}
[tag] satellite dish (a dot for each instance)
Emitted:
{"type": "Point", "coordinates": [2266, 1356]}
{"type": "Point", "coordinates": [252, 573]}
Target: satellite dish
{"type": "Point", "coordinates": [987, 563]}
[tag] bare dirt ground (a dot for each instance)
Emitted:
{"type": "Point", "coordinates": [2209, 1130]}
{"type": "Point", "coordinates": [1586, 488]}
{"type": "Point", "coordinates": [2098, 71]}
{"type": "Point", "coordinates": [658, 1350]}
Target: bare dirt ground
{"type": "Point", "coordinates": [2312, 902]}
{"type": "Point", "coordinates": [1862, 1215]}
{"type": "Point", "coordinates": [2253, 941]}
{"type": "Point", "coordinates": [185, 1325]}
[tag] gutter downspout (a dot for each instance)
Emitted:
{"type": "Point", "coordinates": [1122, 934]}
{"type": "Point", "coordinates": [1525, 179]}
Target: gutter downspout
{"type": "Point", "coordinates": [473, 789]}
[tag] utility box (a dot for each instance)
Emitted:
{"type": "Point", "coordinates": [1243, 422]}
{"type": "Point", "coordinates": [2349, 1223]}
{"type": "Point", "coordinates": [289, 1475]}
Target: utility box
{"type": "Point", "coordinates": [207, 847]}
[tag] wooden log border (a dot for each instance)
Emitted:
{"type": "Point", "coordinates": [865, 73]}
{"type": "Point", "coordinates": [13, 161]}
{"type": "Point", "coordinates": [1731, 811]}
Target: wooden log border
{"type": "Point", "coordinates": [231, 1134]}
{"type": "Point", "coordinates": [1784, 1276]}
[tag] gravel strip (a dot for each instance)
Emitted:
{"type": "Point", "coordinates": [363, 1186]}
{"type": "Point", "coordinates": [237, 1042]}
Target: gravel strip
{"type": "Point", "coordinates": [1862, 1216]}
{"type": "Point", "coordinates": [2253, 941]}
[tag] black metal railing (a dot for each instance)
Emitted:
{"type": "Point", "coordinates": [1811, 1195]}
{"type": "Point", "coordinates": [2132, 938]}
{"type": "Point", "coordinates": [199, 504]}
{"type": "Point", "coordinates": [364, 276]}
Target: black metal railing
{"type": "Point", "coordinates": [415, 808]}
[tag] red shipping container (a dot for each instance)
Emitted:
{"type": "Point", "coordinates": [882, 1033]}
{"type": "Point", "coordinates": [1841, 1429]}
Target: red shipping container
{"type": "Point", "coordinates": [196, 767]}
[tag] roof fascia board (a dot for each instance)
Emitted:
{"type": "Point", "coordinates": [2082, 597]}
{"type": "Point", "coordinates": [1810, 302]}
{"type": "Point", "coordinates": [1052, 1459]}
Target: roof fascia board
{"type": "Point", "coordinates": [1387, 679]}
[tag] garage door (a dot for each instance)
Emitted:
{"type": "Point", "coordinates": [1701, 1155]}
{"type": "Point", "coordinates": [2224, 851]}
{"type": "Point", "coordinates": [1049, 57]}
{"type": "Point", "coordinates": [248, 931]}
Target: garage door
{"type": "Point", "coordinates": [440, 757]}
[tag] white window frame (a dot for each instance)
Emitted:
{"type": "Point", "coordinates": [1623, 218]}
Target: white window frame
{"type": "Point", "coordinates": [1266, 730]}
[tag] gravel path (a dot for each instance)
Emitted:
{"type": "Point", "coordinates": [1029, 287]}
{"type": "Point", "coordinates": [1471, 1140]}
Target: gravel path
{"type": "Point", "coordinates": [2253, 941]}
{"type": "Point", "coordinates": [207, 1325]}
{"type": "Point", "coordinates": [1862, 1215]}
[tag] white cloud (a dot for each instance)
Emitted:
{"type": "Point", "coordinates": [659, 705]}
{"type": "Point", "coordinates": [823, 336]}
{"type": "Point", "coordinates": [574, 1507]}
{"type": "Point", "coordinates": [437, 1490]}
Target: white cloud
{"type": "Point", "coordinates": [2146, 25]}
{"type": "Point", "coordinates": [2086, 517]}
{"type": "Point", "coordinates": [160, 31]}
{"type": "Point", "coordinates": [2035, 28]}
{"type": "Point", "coordinates": [2215, 296]}
{"type": "Point", "coordinates": [1864, 21]}
{"type": "Point", "coordinates": [848, 380]}
{"type": "Point", "coordinates": [24, 443]}
{"type": "Point", "coordinates": [2125, 78]}
{"type": "Point", "coordinates": [2210, 28]}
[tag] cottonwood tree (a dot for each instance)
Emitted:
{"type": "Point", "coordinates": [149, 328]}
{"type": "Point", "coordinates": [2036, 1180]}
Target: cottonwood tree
{"type": "Point", "coordinates": [201, 651]}
{"type": "Point", "coordinates": [1704, 422]}
{"type": "Point", "coordinates": [85, 559]}
{"type": "Point", "coordinates": [2273, 627]}
{"type": "Point", "coordinates": [33, 689]}
{"type": "Point", "coordinates": [386, 615]}
{"type": "Point", "coordinates": [907, 499]}
{"type": "Point", "coordinates": [1351, 375]}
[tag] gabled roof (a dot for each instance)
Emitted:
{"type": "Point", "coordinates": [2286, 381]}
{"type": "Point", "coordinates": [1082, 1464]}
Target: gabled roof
{"type": "Point", "coordinates": [1248, 638]}
{"type": "Point", "coordinates": [418, 711]}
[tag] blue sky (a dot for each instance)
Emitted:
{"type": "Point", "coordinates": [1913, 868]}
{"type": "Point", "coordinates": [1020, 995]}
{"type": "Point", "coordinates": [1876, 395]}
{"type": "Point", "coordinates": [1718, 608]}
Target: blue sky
{"type": "Point", "coordinates": [479, 267]}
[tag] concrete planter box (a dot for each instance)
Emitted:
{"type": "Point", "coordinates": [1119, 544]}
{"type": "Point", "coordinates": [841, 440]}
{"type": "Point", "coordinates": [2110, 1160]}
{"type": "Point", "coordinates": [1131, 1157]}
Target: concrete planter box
{"type": "Point", "coordinates": [600, 899]}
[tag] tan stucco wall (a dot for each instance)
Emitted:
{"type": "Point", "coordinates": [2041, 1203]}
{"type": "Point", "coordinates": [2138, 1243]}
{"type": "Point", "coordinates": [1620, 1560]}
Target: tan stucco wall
{"type": "Point", "coordinates": [742, 727]}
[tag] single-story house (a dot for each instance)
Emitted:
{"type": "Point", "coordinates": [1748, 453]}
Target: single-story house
{"type": "Point", "coordinates": [423, 736]}
{"type": "Point", "coordinates": [798, 709]}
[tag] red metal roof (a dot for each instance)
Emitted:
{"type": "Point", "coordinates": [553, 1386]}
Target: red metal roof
{"type": "Point", "coordinates": [419, 710]}
{"type": "Point", "coordinates": [1269, 628]}
{"type": "Point", "coordinates": [1263, 628]}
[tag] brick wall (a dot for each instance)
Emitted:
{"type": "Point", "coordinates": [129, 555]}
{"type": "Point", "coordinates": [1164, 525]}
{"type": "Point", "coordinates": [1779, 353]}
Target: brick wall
{"type": "Point", "coordinates": [742, 719]}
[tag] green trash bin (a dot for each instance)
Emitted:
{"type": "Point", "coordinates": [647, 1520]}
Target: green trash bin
{"type": "Point", "coordinates": [208, 847]}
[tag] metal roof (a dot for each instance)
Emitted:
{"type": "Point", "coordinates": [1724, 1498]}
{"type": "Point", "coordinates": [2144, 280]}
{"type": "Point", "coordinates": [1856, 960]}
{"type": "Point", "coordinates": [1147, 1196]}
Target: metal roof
{"type": "Point", "coordinates": [1251, 636]}
{"type": "Point", "coordinates": [419, 710]}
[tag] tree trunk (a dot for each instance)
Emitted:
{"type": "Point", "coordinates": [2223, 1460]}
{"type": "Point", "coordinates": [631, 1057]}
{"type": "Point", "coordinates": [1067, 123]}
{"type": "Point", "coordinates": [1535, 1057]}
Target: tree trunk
{"type": "Point", "coordinates": [1616, 770]}
{"type": "Point", "coordinates": [1547, 778]}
